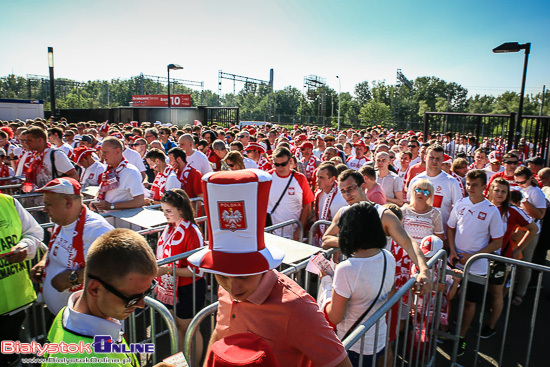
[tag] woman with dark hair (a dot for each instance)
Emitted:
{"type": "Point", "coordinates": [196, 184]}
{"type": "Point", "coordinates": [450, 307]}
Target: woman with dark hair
{"type": "Point", "coordinates": [363, 281]}
{"type": "Point", "coordinates": [180, 235]}
{"type": "Point", "coordinates": [513, 219]}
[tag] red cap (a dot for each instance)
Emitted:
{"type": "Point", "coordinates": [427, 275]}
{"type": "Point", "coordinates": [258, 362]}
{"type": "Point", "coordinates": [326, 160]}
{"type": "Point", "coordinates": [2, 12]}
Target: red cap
{"type": "Point", "coordinates": [301, 137]}
{"type": "Point", "coordinates": [62, 185]}
{"type": "Point", "coordinates": [80, 152]}
{"type": "Point", "coordinates": [255, 146]}
{"type": "Point", "coordinates": [306, 145]}
{"type": "Point", "coordinates": [447, 159]}
{"type": "Point", "coordinates": [360, 143]}
{"type": "Point", "coordinates": [117, 135]}
{"type": "Point", "coordinates": [252, 131]}
{"type": "Point", "coordinates": [244, 349]}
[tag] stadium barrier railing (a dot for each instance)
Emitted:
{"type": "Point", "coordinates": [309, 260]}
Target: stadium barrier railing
{"type": "Point", "coordinates": [512, 265]}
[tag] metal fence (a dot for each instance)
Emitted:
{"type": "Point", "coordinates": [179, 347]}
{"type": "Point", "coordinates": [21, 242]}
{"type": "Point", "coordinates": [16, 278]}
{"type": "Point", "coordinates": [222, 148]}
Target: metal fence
{"type": "Point", "coordinates": [511, 334]}
{"type": "Point", "coordinates": [535, 129]}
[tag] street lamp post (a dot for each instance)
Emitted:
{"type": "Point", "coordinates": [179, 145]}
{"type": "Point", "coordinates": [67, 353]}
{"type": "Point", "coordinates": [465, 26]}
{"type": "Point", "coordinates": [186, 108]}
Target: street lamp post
{"type": "Point", "coordinates": [339, 93]}
{"type": "Point", "coordinates": [171, 67]}
{"type": "Point", "coordinates": [52, 81]}
{"type": "Point", "coordinates": [516, 47]}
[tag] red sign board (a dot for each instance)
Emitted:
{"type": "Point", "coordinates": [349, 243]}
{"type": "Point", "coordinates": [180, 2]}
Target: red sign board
{"type": "Point", "coordinates": [161, 100]}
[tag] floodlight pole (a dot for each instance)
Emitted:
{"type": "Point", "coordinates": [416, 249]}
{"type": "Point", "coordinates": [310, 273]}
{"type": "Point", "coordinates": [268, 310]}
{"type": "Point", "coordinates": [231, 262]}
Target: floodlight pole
{"type": "Point", "coordinates": [171, 67]}
{"type": "Point", "coordinates": [339, 94]}
{"type": "Point", "coordinates": [522, 92]}
{"type": "Point", "coordinates": [52, 81]}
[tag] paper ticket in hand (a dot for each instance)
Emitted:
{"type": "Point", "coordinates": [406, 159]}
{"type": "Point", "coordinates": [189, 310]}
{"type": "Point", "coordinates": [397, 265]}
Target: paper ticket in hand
{"type": "Point", "coordinates": [177, 360]}
{"type": "Point", "coordinates": [323, 264]}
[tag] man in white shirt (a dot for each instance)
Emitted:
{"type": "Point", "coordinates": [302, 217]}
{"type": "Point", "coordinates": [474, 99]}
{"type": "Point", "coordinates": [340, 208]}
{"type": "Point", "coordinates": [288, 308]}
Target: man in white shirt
{"type": "Point", "coordinates": [91, 168]}
{"type": "Point", "coordinates": [134, 158]}
{"type": "Point", "coordinates": [357, 161]}
{"type": "Point", "coordinates": [62, 267]}
{"type": "Point", "coordinates": [295, 201]}
{"type": "Point", "coordinates": [328, 199]}
{"type": "Point", "coordinates": [446, 188]}
{"type": "Point", "coordinates": [55, 136]}
{"type": "Point", "coordinates": [474, 226]}
{"type": "Point", "coordinates": [120, 186]}
{"type": "Point", "coordinates": [494, 165]}
{"type": "Point", "coordinates": [195, 159]}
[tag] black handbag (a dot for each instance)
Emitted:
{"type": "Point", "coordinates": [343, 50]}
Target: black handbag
{"type": "Point", "coordinates": [268, 220]}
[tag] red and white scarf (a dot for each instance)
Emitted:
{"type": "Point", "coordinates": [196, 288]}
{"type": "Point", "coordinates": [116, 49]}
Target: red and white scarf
{"type": "Point", "coordinates": [35, 166]}
{"type": "Point", "coordinates": [77, 261]}
{"type": "Point", "coordinates": [183, 175]}
{"type": "Point", "coordinates": [325, 213]}
{"type": "Point", "coordinates": [457, 177]}
{"type": "Point", "coordinates": [160, 182]}
{"type": "Point", "coordinates": [311, 165]}
{"type": "Point", "coordinates": [110, 179]}
{"type": "Point", "coordinates": [170, 243]}
{"type": "Point", "coordinates": [264, 164]}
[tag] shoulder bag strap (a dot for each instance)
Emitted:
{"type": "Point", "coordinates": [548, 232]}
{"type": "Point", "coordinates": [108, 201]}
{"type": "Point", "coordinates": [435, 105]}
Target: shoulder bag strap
{"type": "Point", "coordinates": [283, 194]}
{"type": "Point", "coordinates": [373, 302]}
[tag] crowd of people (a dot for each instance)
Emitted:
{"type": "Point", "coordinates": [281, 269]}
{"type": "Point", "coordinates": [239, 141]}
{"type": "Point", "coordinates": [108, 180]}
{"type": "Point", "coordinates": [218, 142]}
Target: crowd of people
{"type": "Point", "coordinates": [385, 193]}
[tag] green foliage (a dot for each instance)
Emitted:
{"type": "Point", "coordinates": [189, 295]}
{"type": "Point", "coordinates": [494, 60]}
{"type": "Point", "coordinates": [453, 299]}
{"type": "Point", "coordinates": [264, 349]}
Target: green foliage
{"type": "Point", "coordinates": [372, 103]}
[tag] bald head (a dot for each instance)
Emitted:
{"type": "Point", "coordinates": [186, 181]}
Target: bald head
{"type": "Point", "coordinates": [112, 142]}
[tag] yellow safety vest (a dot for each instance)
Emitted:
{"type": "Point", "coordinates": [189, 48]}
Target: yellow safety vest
{"type": "Point", "coordinates": [16, 288]}
{"type": "Point", "coordinates": [58, 333]}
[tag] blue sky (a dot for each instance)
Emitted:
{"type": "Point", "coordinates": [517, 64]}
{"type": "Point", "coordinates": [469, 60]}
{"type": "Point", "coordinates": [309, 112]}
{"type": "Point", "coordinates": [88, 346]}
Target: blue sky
{"type": "Point", "coordinates": [357, 40]}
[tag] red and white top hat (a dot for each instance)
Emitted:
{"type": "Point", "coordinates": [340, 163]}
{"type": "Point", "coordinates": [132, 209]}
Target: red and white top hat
{"type": "Point", "coordinates": [255, 146]}
{"type": "Point", "coordinates": [63, 185]}
{"type": "Point", "coordinates": [80, 152]}
{"type": "Point", "coordinates": [105, 127]}
{"type": "Point", "coordinates": [236, 207]}
{"type": "Point", "coordinates": [243, 350]}
{"type": "Point", "coordinates": [430, 245]}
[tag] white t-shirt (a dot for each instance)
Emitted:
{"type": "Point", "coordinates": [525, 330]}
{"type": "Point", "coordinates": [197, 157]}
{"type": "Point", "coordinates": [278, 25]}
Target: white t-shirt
{"type": "Point", "coordinates": [447, 192]}
{"type": "Point", "coordinates": [490, 172]}
{"type": "Point", "coordinates": [414, 161]}
{"type": "Point", "coordinates": [62, 254]}
{"type": "Point", "coordinates": [337, 203]}
{"type": "Point", "coordinates": [391, 183]}
{"type": "Point", "coordinates": [356, 163]}
{"type": "Point", "coordinates": [359, 280]}
{"type": "Point", "coordinates": [199, 161]}
{"type": "Point", "coordinates": [296, 196]}
{"type": "Point", "coordinates": [134, 158]}
{"type": "Point", "coordinates": [249, 163]}
{"type": "Point", "coordinates": [536, 197]}
{"type": "Point", "coordinates": [318, 153]}
{"type": "Point", "coordinates": [130, 186]}
{"type": "Point", "coordinates": [476, 225]}
{"type": "Point", "coordinates": [66, 148]}
{"type": "Point", "coordinates": [62, 165]}
{"type": "Point", "coordinates": [91, 174]}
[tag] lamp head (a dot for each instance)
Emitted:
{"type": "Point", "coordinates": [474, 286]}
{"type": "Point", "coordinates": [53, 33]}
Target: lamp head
{"type": "Point", "coordinates": [50, 57]}
{"type": "Point", "coordinates": [511, 47]}
{"type": "Point", "coordinates": [175, 67]}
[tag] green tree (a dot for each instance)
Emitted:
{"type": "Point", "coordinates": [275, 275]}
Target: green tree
{"type": "Point", "coordinates": [375, 112]}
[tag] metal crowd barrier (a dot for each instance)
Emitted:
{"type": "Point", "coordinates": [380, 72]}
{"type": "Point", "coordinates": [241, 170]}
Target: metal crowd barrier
{"type": "Point", "coordinates": [284, 224]}
{"type": "Point", "coordinates": [506, 310]}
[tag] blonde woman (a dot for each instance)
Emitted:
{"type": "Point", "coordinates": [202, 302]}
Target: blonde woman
{"type": "Point", "coordinates": [234, 160]}
{"type": "Point", "coordinates": [420, 218]}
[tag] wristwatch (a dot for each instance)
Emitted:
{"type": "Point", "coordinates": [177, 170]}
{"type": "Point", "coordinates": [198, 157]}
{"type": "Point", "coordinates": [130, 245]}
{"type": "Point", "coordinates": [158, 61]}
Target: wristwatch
{"type": "Point", "coordinates": [112, 206]}
{"type": "Point", "coordinates": [73, 277]}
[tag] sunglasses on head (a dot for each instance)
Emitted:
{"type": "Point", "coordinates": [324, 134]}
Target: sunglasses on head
{"type": "Point", "coordinates": [281, 164]}
{"type": "Point", "coordinates": [131, 300]}
{"type": "Point", "coordinates": [419, 191]}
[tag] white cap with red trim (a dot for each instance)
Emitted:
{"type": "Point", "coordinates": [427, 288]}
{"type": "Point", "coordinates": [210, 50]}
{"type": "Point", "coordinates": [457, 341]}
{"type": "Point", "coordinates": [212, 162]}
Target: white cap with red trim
{"type": "Point", "coordinates": [255, 146]}
{"type": "Point", "coordinates": [430, 245]}
{"type": "Point", "coordinates": [236, 207]}
{"type": "Point", "coordinates": [63, 185]}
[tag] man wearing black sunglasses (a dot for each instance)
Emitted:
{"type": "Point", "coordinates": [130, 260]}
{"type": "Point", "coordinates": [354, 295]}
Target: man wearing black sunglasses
{"type": "Point", "coordinates": [113, 290]}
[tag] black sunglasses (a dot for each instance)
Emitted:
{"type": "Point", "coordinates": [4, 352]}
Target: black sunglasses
{"type": "Point", "coordinates": [281, 164]}
{"type": "Point", "coordinates": [231, 165]}
{"type": "Point", "coordinates": [131, 300]}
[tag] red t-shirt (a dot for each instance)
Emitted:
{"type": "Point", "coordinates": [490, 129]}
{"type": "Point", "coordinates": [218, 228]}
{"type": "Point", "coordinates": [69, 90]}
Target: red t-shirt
{"type": "Point", "coordinates": [516, 218]}
{"type": "Point", "coordinates": [191, 186]}
{"type": "Point", "coordinates": [502, 174]}
{"type": "Point", "coordinates": [413, 171]}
